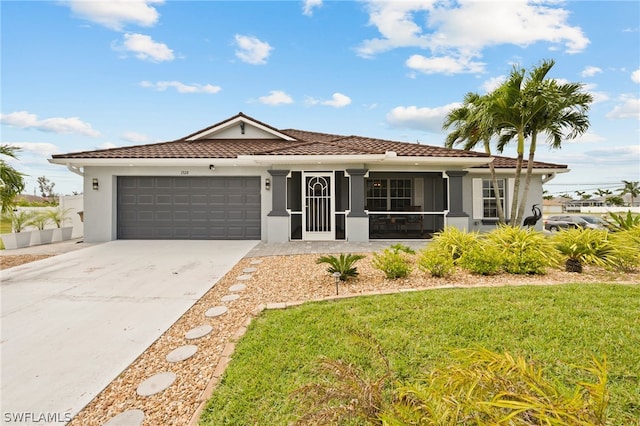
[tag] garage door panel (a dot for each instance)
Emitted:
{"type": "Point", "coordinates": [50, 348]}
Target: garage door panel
{"type": "Point", "coordinates": [189, 207]}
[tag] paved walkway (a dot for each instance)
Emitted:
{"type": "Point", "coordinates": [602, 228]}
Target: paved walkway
{"type": "Point", "coordinates": [313, 247]}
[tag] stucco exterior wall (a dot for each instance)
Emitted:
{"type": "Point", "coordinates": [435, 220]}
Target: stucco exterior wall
{"type": "Point", "coordinates": [100, 206]}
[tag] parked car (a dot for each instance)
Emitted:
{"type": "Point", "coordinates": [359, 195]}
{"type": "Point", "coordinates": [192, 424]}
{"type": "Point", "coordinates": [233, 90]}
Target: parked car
{"type": "Point", "coordinates": [555, 223]}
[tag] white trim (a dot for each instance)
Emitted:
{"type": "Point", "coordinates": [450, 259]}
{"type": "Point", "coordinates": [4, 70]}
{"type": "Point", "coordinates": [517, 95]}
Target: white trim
{"type": "Point", "coordinates": [478, 203]}
{"type": "Point", "coordinates": [329, 235]}
{"type": "Point", "coordinates": [236, 121]}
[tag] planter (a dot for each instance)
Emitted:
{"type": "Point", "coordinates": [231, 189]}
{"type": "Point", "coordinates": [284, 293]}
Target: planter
{"type": "Point", "coordinates": [62, 234]}
{"type": "Point", "coordinates": [16, 240]}
{"type": "Point", "coordinates": [41, 236]}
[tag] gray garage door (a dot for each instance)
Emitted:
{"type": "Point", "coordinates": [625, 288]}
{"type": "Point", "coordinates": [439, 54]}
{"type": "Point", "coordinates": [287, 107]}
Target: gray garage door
{"type": "Point", "coordinates": [189, 208]}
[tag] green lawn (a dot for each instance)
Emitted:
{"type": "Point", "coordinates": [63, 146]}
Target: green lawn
{"type": "Point", "coordinates": [555, 325]}
{"type": "Point", "coordinates": [5, 228]}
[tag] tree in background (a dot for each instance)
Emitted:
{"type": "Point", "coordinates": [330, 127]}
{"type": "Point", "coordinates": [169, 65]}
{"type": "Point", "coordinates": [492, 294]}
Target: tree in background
{"type": "Point", "coordinates": [11, 180]}
{"type": "Point", "coordinates": [632, 188]}
{"type": "Point", "coordinates": [46, 188]}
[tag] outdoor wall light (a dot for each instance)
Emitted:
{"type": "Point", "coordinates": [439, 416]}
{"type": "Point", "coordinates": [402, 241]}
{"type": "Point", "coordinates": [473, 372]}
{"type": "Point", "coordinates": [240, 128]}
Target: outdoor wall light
{"type": "Point", "coordinates": [212, 167]}
{"type": "Point", "coordinates": [96, 184]}
{"type": "Point", "coordinates": [267, 184]}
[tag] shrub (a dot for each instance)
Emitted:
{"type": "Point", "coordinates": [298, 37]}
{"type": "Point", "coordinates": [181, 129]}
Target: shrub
{"type": "Point", "coordinates": [399, 247]}
{"type": "Point", "coordinates": [343, 264]}
{"type": "Point", "coordinates": [586, 246]}
{"type": "Point", "coordinates": [523, 251]}
{"type": "Point", "coordinates": [436, 261]}
{"type": "Point", "coordinates": [624, 222]}
{"type": "Point", "coordinates": [455, 242]}
{"type": "Point", "coordinates": [18, 219]}
{"type": "Point", "coordinates": [484, 259]}
{"type": "Point", "coordinates": [483, 387]}
{"type": "Point", "coordinates": [627, 244]}
{"type": "Point", "coordinates": [40, 220]}
{"type": "Point", "coordinates": [393, 263]}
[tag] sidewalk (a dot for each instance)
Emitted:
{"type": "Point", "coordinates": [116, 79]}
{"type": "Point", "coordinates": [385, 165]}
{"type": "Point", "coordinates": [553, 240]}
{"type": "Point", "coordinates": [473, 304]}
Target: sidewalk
{"type": "Point", "coordinates": [50, 249]}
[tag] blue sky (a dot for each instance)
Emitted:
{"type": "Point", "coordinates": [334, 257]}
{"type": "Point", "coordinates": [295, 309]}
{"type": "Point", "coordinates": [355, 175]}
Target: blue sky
{"type": "Point", "coordinates": [83, 75]}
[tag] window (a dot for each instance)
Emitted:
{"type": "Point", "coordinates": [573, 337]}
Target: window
{"type": "Point", "coordinates": [388, 194]}
{"type": "Point", "coordinates": [489, 206]}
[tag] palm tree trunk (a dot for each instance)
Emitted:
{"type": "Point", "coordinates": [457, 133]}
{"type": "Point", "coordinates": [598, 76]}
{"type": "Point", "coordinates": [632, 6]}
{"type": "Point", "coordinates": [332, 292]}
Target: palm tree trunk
{"type": "Point", "coordinates": [527, 180]}
{"type": "Point", "coordinates": [516, 183]}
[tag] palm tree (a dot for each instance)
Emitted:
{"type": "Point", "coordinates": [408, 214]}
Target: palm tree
{"type": "Point", "coordinates": [471, 128]}
{"type": "Point", "coordinates": [526, 106]}
{"type": "Point", "coordinates": [632, 188]}
{"type": "Point", "coordinates": [11, 181]}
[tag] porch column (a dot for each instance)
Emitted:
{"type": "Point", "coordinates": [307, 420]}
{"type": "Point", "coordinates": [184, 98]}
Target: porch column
{"type": "Point", "coordinates": [456, 217]}
{"type": "Point", "coordinates": [357, 219]}
{"type": "Point", "coordinates": [278, 217]}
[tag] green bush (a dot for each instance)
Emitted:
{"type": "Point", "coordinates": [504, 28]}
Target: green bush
{"type": "Point", "coordinates": [486, 388]}
{"type": "Point", "coordinates": [627, 243]}
{"type": "Point", "coordinates": [455, 241]}
{"type": "Point", "coordinates": [523, 251]}
{"type": "Point", "coordinates": [586, 246]}
{"type": "Point", "coordinates": [393, 263]}
{"type": "Point", "coordinates": [436, 261]}
{"type": "Point", "coordinates": [343, 264]}
{"type": "Point", "coordinates": [624, 222]}
{"type": "Point", "coordinates": [484, 259]}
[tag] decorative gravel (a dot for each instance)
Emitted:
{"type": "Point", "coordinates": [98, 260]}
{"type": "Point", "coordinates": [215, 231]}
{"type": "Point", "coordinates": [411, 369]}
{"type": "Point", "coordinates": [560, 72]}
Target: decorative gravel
{"type": "Point", "coordinates": [279, 281]}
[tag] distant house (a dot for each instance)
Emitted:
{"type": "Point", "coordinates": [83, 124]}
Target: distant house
{"type": "Point", "coordinates": [244, 179]}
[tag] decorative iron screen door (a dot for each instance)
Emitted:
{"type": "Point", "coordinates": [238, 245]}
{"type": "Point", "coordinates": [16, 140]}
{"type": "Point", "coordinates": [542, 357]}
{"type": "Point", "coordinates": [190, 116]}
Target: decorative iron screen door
{"type": "Point", "coordinates": [318, 213]}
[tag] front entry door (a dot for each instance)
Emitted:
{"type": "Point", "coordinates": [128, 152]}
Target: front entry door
{"type": "Point", "coordinates": [319, 210]}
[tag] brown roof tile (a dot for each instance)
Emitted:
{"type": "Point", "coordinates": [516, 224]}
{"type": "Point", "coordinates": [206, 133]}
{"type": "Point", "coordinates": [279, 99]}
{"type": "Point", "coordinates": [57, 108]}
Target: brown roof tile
{"type": "Point", "coordinates": [305, 143]}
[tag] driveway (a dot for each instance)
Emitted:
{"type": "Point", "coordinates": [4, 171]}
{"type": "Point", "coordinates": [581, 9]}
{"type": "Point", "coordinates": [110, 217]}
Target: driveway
{"type": "Point", "coordinates": [72, 323]}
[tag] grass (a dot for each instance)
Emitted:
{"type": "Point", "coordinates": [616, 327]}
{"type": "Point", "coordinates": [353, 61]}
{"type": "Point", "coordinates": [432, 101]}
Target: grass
{"type": "Point", "coordinates": [5, 228]}
{"type": "Point", "coordinates": [557, 326]}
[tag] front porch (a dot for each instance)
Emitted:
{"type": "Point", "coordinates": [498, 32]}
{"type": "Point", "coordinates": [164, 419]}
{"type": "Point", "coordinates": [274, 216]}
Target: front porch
{"type": "Point", "coordinates": [359, 205]}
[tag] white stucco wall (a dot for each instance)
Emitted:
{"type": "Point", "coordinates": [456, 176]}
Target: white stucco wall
{"type": "Point", "coordinates": [100, 206]}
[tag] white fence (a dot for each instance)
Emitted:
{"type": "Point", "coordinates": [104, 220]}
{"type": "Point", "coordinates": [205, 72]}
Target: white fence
{"type": "Point", "coordinates": [612, 209]}
{"type": "Point", "coordinates": [74, 204]}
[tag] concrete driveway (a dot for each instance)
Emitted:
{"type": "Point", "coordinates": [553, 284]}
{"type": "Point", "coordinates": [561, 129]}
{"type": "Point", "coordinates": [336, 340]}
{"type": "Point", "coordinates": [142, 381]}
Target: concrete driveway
{"type": "Point", "coordinates": [73, 322]}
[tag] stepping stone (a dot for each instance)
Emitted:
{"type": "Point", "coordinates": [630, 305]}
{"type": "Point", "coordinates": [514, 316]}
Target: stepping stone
{"type": "Point", "coordinates": [156, 383]}
{"type": "Point", "coordinates": [198, 332]}
{"type": "Point", "coordinates": [249, 270]}
{"type": "Point", "coordinates": [255, 262]}
{"type": "Point", "coordinates": [230, 297]}
{"type": "Point", "coordinates": [182, 353]}
{"type": "Point", "coordinates": [216, 312]}
{"type": "Point", "coordinates": [244, 277]}
{"type": "Point", "coordinates": [127, 418]}
{"type": "Point", "coordinates": [237, 287]}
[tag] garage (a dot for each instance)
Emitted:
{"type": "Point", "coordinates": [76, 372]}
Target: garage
{"type": "Point", "coordinates": [188, 208]}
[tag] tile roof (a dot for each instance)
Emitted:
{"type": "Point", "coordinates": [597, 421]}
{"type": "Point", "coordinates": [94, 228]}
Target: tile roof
{"type": "Point", "coordinates": [305, 143]}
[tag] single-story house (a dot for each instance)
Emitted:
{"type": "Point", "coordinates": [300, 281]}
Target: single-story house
{"type": "Point", "coordinates": [244, 179]}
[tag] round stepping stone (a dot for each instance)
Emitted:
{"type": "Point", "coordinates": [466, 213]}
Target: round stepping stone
{"type": "Point", "coordinates": [156, 383]}
{"type": "Point", "coordinates": [198, 332]}
{"type": "Point", "coordinates": [230, 297]}
{"type": "Point", "coordinates": [249, 270]}
{"type": "Point", "coordinates": [216, 312]}
{"type": "Point", "coordinates": [182, 353]}
{"type": "Point", "coordinates": [255, 262]}
{"type": "Point", "coordinates": [127, 418]}
{"type": "Point", "coordinates": [244, 277]}
{"type": "Point", "coordinates": [237, 287]}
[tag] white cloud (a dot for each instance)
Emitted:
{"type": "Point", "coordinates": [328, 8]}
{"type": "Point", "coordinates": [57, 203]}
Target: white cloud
{"type": "Point", "coordinates": [36, 149]}
{"type": "Point", "coordinates": [590, 71]}
{"type": "Point", "coordinates": [309, 5]}
{"type": "Point", "coordinates": [252, 50]}
{"type": "Point", "coordinates": [338, 100]}
{"type": "Point", "coordinates": [145, 48]}
{"type": "Point", "coordinates": [26, 120]}
{"type": "Point", "coordinates": [276, 97]}
{"type": "Point", "coordinates": [629, 108]}
{"type": "Point", "coordinates": [115, 14]}
{"type": "Point", "coordinates": [427, 119]}
{"type": "Point", "coordinates": [135, 137]}
{"type": "Point", "coordinates": [493, 83]}
{"type": "Point", "coordinates": [444, 65]}
{"type": "Point", "coordinates": [456, 32]}
{"type": "Point", "coordinates": [107, 145]}
{"type": "Point", "coordinates": [635, 76]}
{"type": "Point", "coordinates": [180, 87]}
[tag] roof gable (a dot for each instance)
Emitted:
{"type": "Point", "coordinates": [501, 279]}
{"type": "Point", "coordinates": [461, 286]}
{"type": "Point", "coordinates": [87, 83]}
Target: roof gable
{"type": "Point", "coordinates": [240, 126]}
